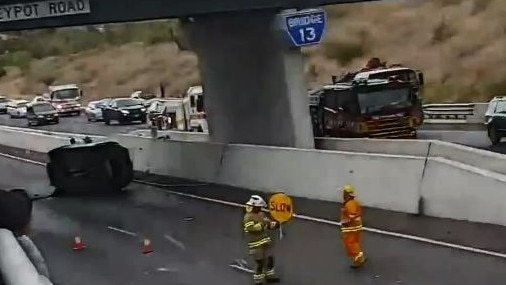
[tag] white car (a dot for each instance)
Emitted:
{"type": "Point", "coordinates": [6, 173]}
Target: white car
{"type": "Point", "coordinates": [94, 110]}
{"type": "Point", "coordinates": [3, 104]}
{"type": "Point", "coordinates": [38, 99]}
{"type": "Point", "coordinates": [17, 108]}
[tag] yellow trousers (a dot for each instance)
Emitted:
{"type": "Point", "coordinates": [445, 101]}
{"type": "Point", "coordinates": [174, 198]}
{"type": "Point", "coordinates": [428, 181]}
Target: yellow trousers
{"type": "Point", "coordinates": [353, 244]}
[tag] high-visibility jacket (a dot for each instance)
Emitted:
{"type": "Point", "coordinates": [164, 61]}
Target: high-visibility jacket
{"type": "Point", "coordinates": [256, 226]}
{"type": "Point", "coordinates": [351, 216]}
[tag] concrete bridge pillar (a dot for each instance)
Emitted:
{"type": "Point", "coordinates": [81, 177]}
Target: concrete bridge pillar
{"type": "Point", "coordinates": [254, 86]}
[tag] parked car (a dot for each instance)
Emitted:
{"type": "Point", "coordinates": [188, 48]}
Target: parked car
{"type": "Point", "coordinates": [17, 108]}
{"type": "Point", "coordinates": [3, 104]}
{"type": "Point", "coordinates": [41, 113]}
{"type": "Point", "coordinates": [38, 99]}
{"type": "Point", "coordinates": [94, 110]}
{"type": "Point", "coordinates": [124, 110]}
{"type": "Point", "coordinates": [495, 119]}
{"type": "Point", "coordinates": [145, 98]}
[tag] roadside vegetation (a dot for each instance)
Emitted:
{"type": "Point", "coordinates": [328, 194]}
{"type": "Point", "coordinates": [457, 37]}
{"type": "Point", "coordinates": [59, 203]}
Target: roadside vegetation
{"type": "Point", "coordinates": [459, 44]}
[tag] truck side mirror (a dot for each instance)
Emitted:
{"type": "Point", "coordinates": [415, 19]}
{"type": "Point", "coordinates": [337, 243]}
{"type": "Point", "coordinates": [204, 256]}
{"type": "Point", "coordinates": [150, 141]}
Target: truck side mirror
{"type": "Point", "coordinates": [80, 93]}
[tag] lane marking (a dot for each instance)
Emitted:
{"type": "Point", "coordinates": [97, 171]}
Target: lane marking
{"type": "Point", "coordinates": [338, 224]}
{"type": "Point", "coordinates": [241, 268]}
{"type": "Point", "coordinates": [22, 159]}
{"type": "Point", "coordinates": [177, 185]}
{"type": "Point", "coordinates": [174, 241]}
{"type": "Point", "coordinates": [122, 231]}
{"type": "Point", "coordinates": [306, 218]}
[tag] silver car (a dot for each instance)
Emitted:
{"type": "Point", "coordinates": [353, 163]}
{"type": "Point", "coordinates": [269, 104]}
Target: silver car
{"type": "Point", "coordinates": [94, 110]}
{"type": "Point", "coordinates": [17, 108]}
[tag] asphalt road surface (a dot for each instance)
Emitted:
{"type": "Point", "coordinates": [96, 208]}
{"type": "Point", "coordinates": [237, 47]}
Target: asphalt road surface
{"type": "Point", "coordinates": [194, 242]}
{"type": "Point", "coordinates": [473, 138]}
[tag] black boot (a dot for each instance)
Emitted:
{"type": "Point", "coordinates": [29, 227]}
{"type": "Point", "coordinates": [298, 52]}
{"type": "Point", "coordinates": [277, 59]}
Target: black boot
{"type": "Point", "coordinates": [270, 276]}
{"type": "Point", "coordinates": [272, 279]}
{"type": "Point", "coordinates": [259, 276]}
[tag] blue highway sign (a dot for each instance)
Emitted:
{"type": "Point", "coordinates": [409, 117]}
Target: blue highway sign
{"type": "Point", "coordinates": [306, 27]}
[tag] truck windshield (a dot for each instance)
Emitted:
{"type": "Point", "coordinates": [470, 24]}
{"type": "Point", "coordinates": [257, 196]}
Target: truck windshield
{"type": "Point", "coordinates": [42, 108]}
{"type": "Point", "coordinates": [389, 99]}
{"type": "Point", "coordinates": [65, 94]}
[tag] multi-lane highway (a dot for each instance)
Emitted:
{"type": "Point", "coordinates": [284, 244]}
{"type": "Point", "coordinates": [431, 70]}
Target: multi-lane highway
{"type": "Point", "coordinates": [194, 242]}
{"type": "Point", "coordinates": [473, 138]}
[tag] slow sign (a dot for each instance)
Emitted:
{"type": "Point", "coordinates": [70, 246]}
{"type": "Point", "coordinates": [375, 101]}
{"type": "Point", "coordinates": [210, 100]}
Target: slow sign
{"type": "Point", "coordinates": [281, 207]}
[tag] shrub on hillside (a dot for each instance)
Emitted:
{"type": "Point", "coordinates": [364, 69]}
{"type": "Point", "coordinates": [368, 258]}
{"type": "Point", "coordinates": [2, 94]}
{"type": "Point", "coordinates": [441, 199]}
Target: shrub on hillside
{"type": "Point", "coordinates": [20, 59]}
{"type": "Point", "coordinates": [65, 41]}
{"type": "Point", "coordinates": [344, 52]}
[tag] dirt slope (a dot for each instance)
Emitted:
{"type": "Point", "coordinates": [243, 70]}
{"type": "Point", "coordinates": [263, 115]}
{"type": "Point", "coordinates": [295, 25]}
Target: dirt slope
{"type": "Point", "coordinates": [459, 44]}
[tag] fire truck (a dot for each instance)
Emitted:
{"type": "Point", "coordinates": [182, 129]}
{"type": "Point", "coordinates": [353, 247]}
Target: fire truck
{"type": "Point", "coordinates": [65, 98]}
{"type": "Point", "coordinates": [194, 115]}
{"type": "Point", "coordinates": [367, 107]}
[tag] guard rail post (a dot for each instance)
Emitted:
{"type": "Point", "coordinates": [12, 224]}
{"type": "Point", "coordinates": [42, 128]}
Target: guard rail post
{"type": "Point", "coordinates": [15, 266]}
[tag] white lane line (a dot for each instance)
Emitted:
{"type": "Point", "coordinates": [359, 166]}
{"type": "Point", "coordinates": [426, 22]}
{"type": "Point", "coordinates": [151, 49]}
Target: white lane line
{"type": "Point", "coordinates": [334, 223]}
{"type": "Point", "coordinates": [122, 231]}
{"type": "Point", "coordinates": [241, 268]}
{"type": "Point", "coordinates": [174, 241]}
{"type": "Point", "coordinates": [22, 159]}
{"type": "Point", "coordinates": [308, 218]}
{"type": "Point", "coordinates": [176, 185]}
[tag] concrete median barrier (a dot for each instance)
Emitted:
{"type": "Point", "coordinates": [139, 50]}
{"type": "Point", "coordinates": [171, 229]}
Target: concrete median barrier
{"type": "Point", "coordinates": [314, 174]}
{"type": "Point", "coordinates": [383, 146]}
{"type": "Point", "coordinates": [174, 135]}
{"type": "Point", "coordinates": [458, 191]}
{"type": "Point", "coordinates": [318, 174]}
{"type": "Point", "coordinates": [478, 158]}
{"type": "Point", "coordinates": [31, 141]}
{"type": "Point", "coordinates": [445, 180]}
{"type": "Point", "coordinates": [192, 160]}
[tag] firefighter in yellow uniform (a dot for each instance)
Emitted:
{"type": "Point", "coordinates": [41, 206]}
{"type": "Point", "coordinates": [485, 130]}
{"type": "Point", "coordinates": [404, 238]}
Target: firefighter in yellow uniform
{"type": "Point", "coordinates": [351, 227]}
{"type": "Point", "coordinates": [256, 226]}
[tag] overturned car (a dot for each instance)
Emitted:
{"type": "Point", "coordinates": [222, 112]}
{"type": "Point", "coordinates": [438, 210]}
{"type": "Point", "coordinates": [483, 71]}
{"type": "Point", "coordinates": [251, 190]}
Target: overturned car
{"type": "Point", "coordinates": [91, 168]}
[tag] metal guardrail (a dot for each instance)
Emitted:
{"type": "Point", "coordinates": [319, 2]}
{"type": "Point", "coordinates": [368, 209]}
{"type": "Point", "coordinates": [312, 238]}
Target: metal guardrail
{"type": "Point", "coordinates": [449, 111]}
{"type": "Point", "coordinates": [15, 266]}
{"type": "Point", "coordinates": [458, 113]}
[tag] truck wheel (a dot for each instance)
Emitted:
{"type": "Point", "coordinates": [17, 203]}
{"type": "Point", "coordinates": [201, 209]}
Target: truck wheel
{"type": "Point", "coordinates": [493, 136]}
{"type": "Point", "coordinates": [107, 121]}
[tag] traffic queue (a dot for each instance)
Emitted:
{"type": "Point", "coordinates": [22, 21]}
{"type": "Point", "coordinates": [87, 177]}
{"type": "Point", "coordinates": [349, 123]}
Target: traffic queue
{"type": "Point", "coordinates": [259, 227]}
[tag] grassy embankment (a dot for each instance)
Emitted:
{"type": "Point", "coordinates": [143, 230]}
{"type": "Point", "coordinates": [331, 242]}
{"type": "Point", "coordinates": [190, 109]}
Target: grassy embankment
{"type": "Point", "coordinates": [459, 44]}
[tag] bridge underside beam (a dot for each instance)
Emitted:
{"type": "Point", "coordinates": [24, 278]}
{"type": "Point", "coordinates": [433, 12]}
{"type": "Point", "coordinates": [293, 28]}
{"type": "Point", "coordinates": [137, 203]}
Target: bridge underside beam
{"type": "Point", "coordinates": [254, 86]}
{"type": "Point", "coordinates": [36, 14]}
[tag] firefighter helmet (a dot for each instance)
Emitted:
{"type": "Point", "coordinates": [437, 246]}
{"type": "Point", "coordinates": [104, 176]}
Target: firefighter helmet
{"type": "Point", "coordinates": [256, 201]}
{"type": "Point", "coordinates": [349, 190]}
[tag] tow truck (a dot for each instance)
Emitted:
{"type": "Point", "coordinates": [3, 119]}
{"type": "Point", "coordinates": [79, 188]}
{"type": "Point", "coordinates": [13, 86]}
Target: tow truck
{"type": "Point", "coordinates": [372, 108]}
{"type": "Point", "coordinates": [65, 98]}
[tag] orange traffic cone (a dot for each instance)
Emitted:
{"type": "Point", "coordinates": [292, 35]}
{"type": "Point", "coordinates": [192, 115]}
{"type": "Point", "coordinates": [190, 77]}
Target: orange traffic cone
{"type": "Point", "coordinates": [147, 248]}
{"type": "Point", "coordinates": [78, 244]}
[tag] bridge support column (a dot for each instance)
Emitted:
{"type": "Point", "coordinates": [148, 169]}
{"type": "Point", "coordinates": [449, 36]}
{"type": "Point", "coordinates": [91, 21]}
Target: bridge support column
{"type": "Point", "coordinates": [255, 91]}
